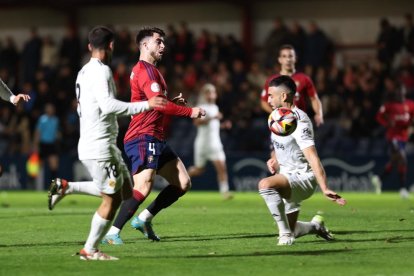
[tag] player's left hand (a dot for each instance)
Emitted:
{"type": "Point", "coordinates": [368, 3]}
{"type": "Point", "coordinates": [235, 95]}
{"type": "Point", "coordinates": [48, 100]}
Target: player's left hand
{"type": "Point", "coordinates": [331, 195]}
{"type": "Point", "coordinates": [21, 97]}
{"type": "Point", "coordinates": [271, 165]}
{"type": "Point", "coordinates": [179, 100]}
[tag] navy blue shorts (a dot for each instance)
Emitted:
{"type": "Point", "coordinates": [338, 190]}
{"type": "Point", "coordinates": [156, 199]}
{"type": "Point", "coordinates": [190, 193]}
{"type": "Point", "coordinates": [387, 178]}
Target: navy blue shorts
{"type": "Point", "coordinates": [396, 145]}
{"type": "Point", "coordinates": [147, 152]}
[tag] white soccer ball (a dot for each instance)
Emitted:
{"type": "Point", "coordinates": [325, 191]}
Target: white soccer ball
{"type": "Point", "coordinates": [282, 121]}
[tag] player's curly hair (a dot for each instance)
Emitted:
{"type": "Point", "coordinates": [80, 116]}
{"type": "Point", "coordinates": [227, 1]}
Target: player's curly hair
{"type": "Point", "coordinates": [148, 31]}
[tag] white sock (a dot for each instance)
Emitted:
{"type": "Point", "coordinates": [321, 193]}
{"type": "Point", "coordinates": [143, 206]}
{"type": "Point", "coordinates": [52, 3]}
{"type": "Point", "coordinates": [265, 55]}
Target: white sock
{"type": "Point", "coordinates": [99, 227]}
{"type": "Point", "coordinates": [303, 228]}
{"type": "Point", "coordinates": [113, 231]}
{"type": "Point", "coordinates": [224, 187]}
{"type": "Point", "coordinates": [83, 187]}
{"type": "Point", "coordinates": [145, 215]}
{"type": "Point", "coordinates": [277, 208]}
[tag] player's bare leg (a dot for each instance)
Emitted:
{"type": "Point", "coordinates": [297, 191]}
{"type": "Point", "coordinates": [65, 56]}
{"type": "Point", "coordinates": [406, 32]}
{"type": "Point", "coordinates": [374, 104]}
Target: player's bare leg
{"type": "Point", "coordinates": [273, 189]}
{"type": "Point", "coordinates": [59, 188]}
{"type": "Point", "coordinates": [176, 174]}
{"type": "Point", "coordinates": [143, 182]}
{"type": "Point", "coordinates": [100, 224]}
{"type": "Point", "coordinates": [222, 178]}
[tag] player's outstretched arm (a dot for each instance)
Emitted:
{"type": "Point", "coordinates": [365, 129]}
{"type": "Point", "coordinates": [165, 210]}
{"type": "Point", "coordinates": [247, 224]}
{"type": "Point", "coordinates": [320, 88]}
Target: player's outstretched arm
{"type": "Point", "coordinates": [320, 175]}
{"type": "Point", "coordinates": [7, 95]}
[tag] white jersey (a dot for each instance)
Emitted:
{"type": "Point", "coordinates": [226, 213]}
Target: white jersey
{"type": "Point", "coordinates": [288, 149]}
{"type": "Point", "coordinates": [98, 109]}
{"type": "Point", "coordinates": [5, 92]}
{"type": "Point", "coordinates": [208, 135]}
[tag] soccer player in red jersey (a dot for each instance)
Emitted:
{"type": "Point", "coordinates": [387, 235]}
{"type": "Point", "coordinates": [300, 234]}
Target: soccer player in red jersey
{"type": "Point", "coordinates": [305, 87]}
{"type": "Point", "coordinates": [145, 144]}
{"type": "Point", "coordinates": [396, 115]}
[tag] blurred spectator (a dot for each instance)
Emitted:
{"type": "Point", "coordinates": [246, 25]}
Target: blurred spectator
{"type": "Point", "coordinates": [256, 77]}
{"type": "Point", "coordinates": [202, 47]}
{"type": "Point", "coordinates": [184, 49]}
{"type": "Point", "coordinates": [9, 58]}
{"type": "Point", "coordinates": [318, 48]}
{"type": "Point", "coordinates": [387, 43]}
{"type": "Point", "coordinates": [405, 74]}
{"type": "Point", "coordinates": [297, 38]}
{"type": "Point", "coordinates": [122, 50]}
{"type": "Point", "coordinates": [407, 34]}
{"type": "Point", "coordinates": [46, 140]}
{"type": "Point", "coordinates": [121, 78]}
{"type": "Point", "coordinates": [31, 56]}
{"type": "Point", "coordinates": [70, 130]}
{"type": "Point", "coordinates": [49, 56]}
{"type": "Point", "coordinates": [70, 49]}
{"type": "Point", "coordinates": [20, 135]}
{"type": "Point", "coordinates": [277, 37]}
{"type": "Point", "coordinates": [171, 38]}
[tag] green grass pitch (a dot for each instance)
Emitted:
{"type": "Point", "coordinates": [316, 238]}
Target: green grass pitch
{"type": "Point", "coordinates": [204, 235]}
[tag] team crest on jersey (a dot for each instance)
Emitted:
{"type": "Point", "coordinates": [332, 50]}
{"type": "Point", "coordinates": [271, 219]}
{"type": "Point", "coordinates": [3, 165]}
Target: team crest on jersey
{"type": "Point", "coordinates": [150, 159]}
{"type": "Point", "coordinates": [155, 87]}
{"type": "Point", "coordinates": [132, 75]}
{"type": "Point", "coordinates": [112, 183]}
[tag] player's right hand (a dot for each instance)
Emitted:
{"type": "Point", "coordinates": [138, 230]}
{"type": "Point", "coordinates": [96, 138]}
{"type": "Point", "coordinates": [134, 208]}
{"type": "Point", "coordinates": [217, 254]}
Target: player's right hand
{"type": "Point", "coordinates": [157, 102]}
{"type": "Point", "coordinates": [331, 195]}
{"type": "Point", "coordinates": [197, 112]}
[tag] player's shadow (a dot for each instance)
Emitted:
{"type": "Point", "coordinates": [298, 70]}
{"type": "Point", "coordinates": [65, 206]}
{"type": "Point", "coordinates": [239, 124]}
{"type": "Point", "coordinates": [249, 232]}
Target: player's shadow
{"type": "Point", "coordinates": [350, 232]}
{"type": "Point", "coordinates": [216, 237]}
{"type": "Point", "coordinates": [49, 244]}
{"type": "Point", "coordinates": [284, 252]}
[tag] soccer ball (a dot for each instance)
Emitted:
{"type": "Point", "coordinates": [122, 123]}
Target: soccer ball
{"type": "Point", "coordinates": [282, 121]}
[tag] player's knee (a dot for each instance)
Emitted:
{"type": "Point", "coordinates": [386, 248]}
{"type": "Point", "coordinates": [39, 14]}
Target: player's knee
{"type": "Point", "coordinates": [186, 185]}
{"type": "Point", "coordinates": [264, 184]}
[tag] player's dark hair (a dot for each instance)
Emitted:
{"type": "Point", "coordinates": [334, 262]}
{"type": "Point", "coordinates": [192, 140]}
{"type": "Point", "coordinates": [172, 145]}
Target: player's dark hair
{"type": "Point", "coordinates": [100, 37]}
{"type": "Point", "coordinates": [285, 81]}
{"type": "Point", "coordinates": [286, 47]}
{"type": "Point", "coordinates": [148, 31]}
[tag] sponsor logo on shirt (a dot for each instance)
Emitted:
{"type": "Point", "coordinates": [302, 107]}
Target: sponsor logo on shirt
{"type": "Point", "coordinates": [132, 75]}
{"type": "Point", "coordinates": [306, 133]}
{"type": "Point", "coordinates": [150, 159]}
{"type": "Point", "coordinates": [279, 145]}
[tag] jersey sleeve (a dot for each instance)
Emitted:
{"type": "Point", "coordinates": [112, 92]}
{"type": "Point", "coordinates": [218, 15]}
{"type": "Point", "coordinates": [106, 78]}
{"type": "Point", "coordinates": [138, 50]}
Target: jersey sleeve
{"type": "Point", "coordinates": [106, 101]}
{"type": "Point", "coordinates": [5, 92]}
{"type": "Point", "coordinates": [151, 86]}
{"type": "Point", "coordinates": [304, 133]}
{"type": "Point", "coordinates": [150, 82]}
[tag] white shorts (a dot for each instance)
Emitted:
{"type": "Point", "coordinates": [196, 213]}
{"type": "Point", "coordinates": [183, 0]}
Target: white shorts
{"type": "Point", "coordinates": [303, 186]}
{"type": "Point", "coordinates": [203, 154]}
{"type": "Point", "coordinates": [108, 175]}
